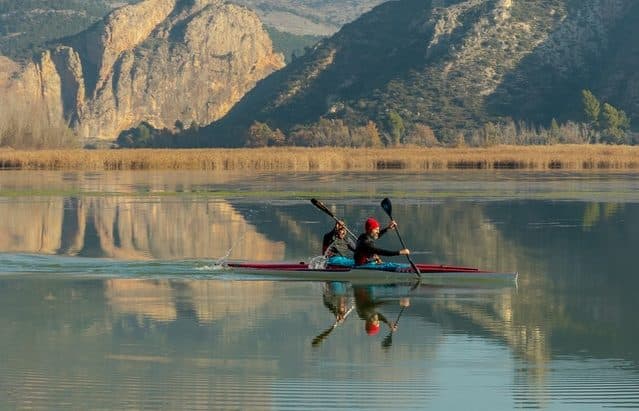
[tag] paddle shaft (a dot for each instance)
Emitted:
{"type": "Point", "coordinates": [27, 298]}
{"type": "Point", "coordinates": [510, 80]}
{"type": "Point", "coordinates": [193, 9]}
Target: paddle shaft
{"type": "Point", "coordinates": [325, 209]}
{"type": "Point", "coordinates": [401, 240]}
{"type": "Point", "coordinates": [388, 340]}
{"type": "Point", "coordinates": [388, 208]}
{"type": "Point", "coordinates": [412, 264]}
{"type": "Point", "coordinates": [320, 337]}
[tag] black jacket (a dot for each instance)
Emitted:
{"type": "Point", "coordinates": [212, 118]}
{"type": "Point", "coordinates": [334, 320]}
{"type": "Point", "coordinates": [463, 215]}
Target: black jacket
{"type": "Point", "coordinates": [366, 250]}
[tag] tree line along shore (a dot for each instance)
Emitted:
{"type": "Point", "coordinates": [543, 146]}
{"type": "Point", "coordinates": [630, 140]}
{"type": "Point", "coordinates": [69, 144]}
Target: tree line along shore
{"type": "Point", "coordinates": [326, 159]}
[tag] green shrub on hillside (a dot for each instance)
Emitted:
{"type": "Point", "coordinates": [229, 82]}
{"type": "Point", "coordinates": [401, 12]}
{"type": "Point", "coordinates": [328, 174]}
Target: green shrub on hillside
{"type": "Point", "coordinates": [291, 45]}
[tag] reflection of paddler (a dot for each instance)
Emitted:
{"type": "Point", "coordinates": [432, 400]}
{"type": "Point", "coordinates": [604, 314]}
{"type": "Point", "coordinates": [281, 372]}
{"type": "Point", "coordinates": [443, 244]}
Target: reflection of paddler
{"type": "Point", "coordinates": [335, 298]}
{"type": "Point", "coordinates": [367, 309]}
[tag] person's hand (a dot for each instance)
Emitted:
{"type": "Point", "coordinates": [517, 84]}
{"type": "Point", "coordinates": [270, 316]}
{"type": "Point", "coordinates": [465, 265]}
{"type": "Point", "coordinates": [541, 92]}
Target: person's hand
{"type": "Point", "coordinates": [392, 225]}
{"type": "Point", "coordinates": [393, 327]}
{"type": "Point", "coordinates": [377, 259]}
{"type": "Point", "coordinates": [404, 251]}
{"type": "Point", "coordinates": [404, 302]}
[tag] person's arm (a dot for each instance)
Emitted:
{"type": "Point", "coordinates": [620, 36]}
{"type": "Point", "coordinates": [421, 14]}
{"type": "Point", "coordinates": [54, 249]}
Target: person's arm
{"type": "Point", "coordinates": [382, 251]}
{"type": "Point", "coordinates": [383, 319]}
{"type": "Point", "coordinates": [391, 226]}
{"type": "Point", "coordinates": [370, 248]}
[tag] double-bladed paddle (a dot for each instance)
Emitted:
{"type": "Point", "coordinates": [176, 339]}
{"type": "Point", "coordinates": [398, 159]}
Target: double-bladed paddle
{"type": "Point", "coordinates": [322, 207]}
{"type": "Point", "coordinates": [388, 208]}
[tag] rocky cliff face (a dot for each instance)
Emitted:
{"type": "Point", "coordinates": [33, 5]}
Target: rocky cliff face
{"type": "Point", "coordinates": [157, 61]}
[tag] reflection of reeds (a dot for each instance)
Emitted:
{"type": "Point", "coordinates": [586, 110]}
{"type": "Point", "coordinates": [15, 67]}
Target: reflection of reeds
{"type": "Point", "coordinates": [569, 157]}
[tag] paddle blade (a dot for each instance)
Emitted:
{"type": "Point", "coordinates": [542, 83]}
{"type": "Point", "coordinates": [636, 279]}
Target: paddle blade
{"type": "Point", "coordinates": [387, 341]}
{"type": "Point", "coordinates": [317, 340]}
{"type": "Point", "coordinates": [322, 207]}
{"type": "Point", "coordinates": [388, 207]}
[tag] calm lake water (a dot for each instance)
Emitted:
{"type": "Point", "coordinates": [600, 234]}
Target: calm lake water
{"type": "Point", "coordinates": [113, 295]}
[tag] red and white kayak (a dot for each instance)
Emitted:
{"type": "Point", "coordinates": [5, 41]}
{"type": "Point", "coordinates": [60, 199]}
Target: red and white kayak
{"type": "Point", "coordinates": [430, 273]}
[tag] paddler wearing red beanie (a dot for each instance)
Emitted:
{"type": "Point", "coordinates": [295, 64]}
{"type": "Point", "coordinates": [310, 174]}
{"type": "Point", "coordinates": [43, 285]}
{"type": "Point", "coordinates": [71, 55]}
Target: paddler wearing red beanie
{"type": "Point", "coordinates": [365, 251]}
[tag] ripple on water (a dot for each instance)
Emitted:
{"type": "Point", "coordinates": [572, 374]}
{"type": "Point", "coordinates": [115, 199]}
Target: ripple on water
{"type": "Point", "coordinates": [578, 384]}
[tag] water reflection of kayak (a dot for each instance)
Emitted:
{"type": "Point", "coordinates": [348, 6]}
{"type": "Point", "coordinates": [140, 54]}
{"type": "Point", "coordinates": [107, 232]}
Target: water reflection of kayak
{"type": "Point", "coordinates": [431, 273]}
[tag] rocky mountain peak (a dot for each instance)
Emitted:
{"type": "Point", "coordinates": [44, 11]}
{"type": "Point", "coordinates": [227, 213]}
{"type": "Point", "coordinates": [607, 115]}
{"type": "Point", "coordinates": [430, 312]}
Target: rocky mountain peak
{"type": "Point", "coordinates": [157, 61]}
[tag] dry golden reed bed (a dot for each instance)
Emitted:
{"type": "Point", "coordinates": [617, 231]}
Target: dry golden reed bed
{"type": "Point", "coordinates": [568, 157]}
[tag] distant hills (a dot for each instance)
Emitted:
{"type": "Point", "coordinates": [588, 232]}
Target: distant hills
{"type": "Point", "coordinates": [452, 65]}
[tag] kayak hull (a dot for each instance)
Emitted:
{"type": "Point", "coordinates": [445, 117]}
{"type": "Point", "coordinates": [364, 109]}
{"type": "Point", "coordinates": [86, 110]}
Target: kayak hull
{"type": "Point", "coordinates": [430, 273]}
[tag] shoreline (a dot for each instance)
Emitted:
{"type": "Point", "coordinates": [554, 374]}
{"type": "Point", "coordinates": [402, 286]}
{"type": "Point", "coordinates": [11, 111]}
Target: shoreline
{"type": "Point", "coordinates": [554, 157]}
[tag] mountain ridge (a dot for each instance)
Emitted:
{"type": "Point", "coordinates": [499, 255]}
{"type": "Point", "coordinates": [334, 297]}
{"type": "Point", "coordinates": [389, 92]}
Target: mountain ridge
{"type": "Point", "coordinates": [450, 65]}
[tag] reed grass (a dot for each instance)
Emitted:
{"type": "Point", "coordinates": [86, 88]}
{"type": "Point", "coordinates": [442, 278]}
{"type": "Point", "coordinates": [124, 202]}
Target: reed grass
{"type": "Point", "coordinates": [566, 157]}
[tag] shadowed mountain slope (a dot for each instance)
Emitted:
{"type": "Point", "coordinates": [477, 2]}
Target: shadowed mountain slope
{"type": "Point", "coordinates": [451, 65]}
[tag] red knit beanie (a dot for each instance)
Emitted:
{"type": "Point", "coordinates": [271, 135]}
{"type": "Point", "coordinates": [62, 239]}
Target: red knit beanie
{"type": "Point", "coordinates": [371, 224]}
{"type": "Point", "coordinates": [371, 328]}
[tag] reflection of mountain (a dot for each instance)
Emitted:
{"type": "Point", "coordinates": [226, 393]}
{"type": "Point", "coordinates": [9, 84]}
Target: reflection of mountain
{"type": "Point", "coordinates": [137, 341]}
{"type": "Point", "coordinates": [582, 260]}
{"type": "Point", "coordinates": [131, 228]}
{"type": "Point", "coordinates": [162, 300]}
{"type": "Point", "coordinates": [34, 227]}
{"type": "Point", "coordinates": [150, 299]}
{"type": "Point", "coordinates": [132, 336]}
{"type": "Point", "coordinates": [495, 318]}
{"type": "Point", "coordinates": [570, 255]}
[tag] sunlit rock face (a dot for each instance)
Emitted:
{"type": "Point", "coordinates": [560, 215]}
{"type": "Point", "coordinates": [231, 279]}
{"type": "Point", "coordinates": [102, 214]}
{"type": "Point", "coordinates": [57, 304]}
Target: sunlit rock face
{"type": "Point", "coordinates": [157, 61]}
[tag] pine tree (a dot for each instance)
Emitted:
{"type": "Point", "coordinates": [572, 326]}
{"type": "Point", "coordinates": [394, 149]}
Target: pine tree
{"type": "Point", "coordinates": [615, 124]}
{"type": "Point", "coordinates": [554, 133]}
{"type": "Point", "coordinates": [592, 108]}
{"type": "Point", "coordinates": [396, 127]}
